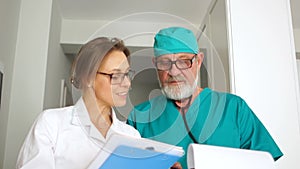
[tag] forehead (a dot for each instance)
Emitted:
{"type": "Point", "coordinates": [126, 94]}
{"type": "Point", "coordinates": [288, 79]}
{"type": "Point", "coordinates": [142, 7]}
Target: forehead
{"type": "Point", "coordinates": [176, 56]}
{"type": "Point", "coordinates": [115, 60]}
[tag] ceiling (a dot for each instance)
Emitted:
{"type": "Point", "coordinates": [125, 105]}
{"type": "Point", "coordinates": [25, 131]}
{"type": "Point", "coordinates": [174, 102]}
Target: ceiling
{"type": "Point", "coordinates": [114, 9]}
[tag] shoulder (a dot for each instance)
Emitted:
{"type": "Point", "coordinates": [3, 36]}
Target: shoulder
{"type": "Point", "coordinates": [47, 125]}
{"type": "Point", "coordinates": [124, 128]}
{"type": "Point", "coordinates": [228, 97]}
{"type": "Point", "coordinates": [150, 109]}
{"type": "Point", "coordinates": [142, 106]}
{"type": "Point", "coordinates": [152, 103]}
{"type": "Point", "coordinates": [52, 119]}
{"type": "Point", "coordinates": [226, 94]}
{"type": "Point", "coordinates": [230, 103]}
{"type": "Point", "coordinates": [56, 114]}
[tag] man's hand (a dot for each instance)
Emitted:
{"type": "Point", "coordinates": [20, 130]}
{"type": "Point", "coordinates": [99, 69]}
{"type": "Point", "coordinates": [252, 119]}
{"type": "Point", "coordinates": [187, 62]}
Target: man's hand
{"type": "Point", "coordinates": [177, 165]}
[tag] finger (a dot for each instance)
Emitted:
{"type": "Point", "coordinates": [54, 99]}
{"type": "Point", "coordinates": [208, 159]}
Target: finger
{"type": "Point", "coordinates": [177, 165]}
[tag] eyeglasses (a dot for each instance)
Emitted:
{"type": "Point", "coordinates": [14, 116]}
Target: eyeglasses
{"type": "Point", "coordinates": [181, 64]}
{"type": "Point", "coordinates": [118, 78]}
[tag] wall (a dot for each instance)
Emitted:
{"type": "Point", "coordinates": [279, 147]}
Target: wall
{"type": "Point", "coordinates": [39, 65]}
{"type": "Point", "coordinates": [28, 78]}
{"type": "Point", "coordinates": [58, 65]}
{"type": "Point", "coordinates": [9, 16]}
{"type": "Point", "coordinates": [264, 69]}
{"type": "Point", "coordinates": [140, 33]}
{"type": "Point", "coordinates": [219, 52]}
{"type": "Point", "coordinates": [297, 39]}
{"type": "Point", "coordinates": [298, 68]}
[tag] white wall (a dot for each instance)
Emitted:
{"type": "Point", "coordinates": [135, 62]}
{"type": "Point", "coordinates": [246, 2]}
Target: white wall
{"type": "Point", "coordinates": [39, 64]}
{"type": "Point", "coordinates": [29, 71]}
{"type": "Point", "coordinates": [58, 65]}
{"type": "Point", "coordinates": [9, 16]}
{"type": "Point", "coordinates": [298, 69]}
{"type": "Point", "coordinates": [297, 39]}
{"type": "Point", "coordinates": [264, 64]}
{"type": "Point", "coordinates": [219, 51]}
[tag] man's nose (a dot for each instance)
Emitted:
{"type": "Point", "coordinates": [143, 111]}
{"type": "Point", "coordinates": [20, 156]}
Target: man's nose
{"type": "Point", "coordinates": [174, 71]}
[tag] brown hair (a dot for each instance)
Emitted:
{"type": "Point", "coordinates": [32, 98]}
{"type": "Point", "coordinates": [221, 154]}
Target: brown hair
{"type": "Point", "coordinates": [89, 57]}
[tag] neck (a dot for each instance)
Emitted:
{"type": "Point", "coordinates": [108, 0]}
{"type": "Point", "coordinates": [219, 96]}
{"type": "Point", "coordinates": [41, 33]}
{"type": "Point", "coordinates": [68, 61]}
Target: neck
{"type": "Point", "coordinates": [184, 103]}
{"type": "Point", "coordinates": [100, 114]}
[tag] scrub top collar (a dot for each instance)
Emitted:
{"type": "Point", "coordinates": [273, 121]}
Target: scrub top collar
{"type": "Point", "coordinates": [81, 117]}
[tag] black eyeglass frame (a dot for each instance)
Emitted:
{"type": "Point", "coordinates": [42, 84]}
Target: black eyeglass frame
{"type": "Point", "coordinates": [175, 61]}
{"type": "Point", "coordinates": [129, 75]}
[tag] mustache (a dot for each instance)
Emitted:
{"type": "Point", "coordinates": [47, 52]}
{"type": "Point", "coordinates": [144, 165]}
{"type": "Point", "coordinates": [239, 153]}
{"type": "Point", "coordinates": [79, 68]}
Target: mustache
{"type": "Point", "coordinates": [175, 78]}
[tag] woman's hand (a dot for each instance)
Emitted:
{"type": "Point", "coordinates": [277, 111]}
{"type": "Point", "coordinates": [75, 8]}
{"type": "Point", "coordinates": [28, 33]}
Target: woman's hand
{"type": "Point", "coordinates": [177, 165]}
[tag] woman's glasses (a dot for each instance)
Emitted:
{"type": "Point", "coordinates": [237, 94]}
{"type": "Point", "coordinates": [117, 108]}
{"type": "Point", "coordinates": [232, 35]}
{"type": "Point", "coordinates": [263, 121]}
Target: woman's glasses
{"type": "Point", "coordinates": [118, 78]}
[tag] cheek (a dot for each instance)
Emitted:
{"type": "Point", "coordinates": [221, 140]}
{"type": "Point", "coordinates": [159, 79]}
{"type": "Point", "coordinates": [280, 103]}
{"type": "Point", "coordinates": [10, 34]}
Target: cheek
{"type": "Point", "coordinates": [103, 92]}
{"type": "Point", "coordinates": [162, 76]}
{"type": "Point", "coordinates": [117, 100]}
{"type": "Point", "coordinates": [190, 75]}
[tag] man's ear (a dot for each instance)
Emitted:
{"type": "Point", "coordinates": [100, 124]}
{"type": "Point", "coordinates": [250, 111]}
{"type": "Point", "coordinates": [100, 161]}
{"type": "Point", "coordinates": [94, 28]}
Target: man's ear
{"type": "Point", "coordinates": [153, 60]}
{"type": "Point", "coordinates": [200, 57]}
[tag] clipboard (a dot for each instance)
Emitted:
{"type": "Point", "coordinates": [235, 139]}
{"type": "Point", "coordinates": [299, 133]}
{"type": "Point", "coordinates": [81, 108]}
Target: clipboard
{"type": "Point", "coordinates": [128, 152]}
{"type": "Point", "coordinates": [216, 157]}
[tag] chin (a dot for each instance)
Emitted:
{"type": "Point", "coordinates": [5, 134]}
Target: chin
{"type": "Point", "coordinates": [119, 103]}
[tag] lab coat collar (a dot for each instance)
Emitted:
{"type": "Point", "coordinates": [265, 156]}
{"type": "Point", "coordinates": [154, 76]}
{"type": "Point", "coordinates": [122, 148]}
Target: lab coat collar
{"type": "Point", "coordinates": [80, 116]}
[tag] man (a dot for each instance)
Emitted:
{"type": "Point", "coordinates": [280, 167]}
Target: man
{"type": "Point", "coordinates": [187, 113]}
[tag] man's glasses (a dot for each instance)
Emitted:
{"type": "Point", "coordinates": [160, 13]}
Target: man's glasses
{"type": "Point", "coordinates": [181, 64]}
{"type": "Point", "coordinates": [118, 78]}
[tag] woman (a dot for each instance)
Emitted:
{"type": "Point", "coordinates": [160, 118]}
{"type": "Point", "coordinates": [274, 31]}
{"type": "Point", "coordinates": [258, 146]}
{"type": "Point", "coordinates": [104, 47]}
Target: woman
{"type": "Point", "coordinates": [71, 137]}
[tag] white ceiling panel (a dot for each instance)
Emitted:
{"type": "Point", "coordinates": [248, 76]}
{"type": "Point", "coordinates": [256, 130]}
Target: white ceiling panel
{"type": "Point", "coordinates": [191, 10]}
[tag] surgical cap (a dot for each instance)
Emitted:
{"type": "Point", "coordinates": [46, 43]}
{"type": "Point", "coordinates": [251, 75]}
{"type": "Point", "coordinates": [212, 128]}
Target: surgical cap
{"type": "Point", "coordinates": [175, 40]}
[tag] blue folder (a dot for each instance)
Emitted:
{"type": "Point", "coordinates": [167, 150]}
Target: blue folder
{"type": "Point", "coordinates": [128, 152]}
{"type": "Point", "coordinates": [125, 157]}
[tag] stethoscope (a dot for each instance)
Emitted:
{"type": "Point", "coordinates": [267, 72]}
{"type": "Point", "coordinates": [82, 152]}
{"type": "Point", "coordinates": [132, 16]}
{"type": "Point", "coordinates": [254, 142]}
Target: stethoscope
{"type": "Point", "coordinates": [184, 111]}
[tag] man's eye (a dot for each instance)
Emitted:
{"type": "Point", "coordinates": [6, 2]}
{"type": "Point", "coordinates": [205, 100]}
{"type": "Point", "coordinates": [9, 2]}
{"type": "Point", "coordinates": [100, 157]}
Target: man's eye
{"type": "Point", "coordinates": [164, 62]}
{"type": "Point", "coordinates": [183, 61]}
{"type": "Point", "coordinates": [116, 76]}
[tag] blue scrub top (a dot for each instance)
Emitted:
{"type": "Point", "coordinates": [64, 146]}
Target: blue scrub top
{"type": "Point", "coordinates": [214, 118]}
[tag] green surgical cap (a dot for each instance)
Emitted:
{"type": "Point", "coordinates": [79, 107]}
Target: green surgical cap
{"type": "Point", "coordinates": [175, 40]}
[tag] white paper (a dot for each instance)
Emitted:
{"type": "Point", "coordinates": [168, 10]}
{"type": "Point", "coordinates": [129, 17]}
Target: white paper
{"type": "Point", "coordinates": [201, 156]}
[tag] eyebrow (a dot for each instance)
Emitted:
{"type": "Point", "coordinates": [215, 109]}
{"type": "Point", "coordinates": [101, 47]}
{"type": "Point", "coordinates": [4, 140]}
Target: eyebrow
{"type": "Point", "coordinates": [185, 56]}
{"type": "Point", "coordinates": [118, 70]}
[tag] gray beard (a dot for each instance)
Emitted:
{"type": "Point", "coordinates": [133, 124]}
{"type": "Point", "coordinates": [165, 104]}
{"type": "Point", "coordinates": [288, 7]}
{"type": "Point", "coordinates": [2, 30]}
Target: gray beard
{"type": "Point", "coordinates": [179, 92]}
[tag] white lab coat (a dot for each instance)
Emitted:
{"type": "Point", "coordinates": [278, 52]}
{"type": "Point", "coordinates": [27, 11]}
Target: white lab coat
{"type": "Point", "coordinates": [65, 138]}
